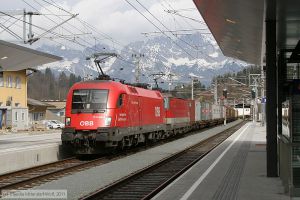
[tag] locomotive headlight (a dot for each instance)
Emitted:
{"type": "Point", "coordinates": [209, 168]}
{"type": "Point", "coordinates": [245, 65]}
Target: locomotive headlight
{"type": "Point", "coordinates": [68, 121]}
{"type": "Point", "coordinates": [107, 121]}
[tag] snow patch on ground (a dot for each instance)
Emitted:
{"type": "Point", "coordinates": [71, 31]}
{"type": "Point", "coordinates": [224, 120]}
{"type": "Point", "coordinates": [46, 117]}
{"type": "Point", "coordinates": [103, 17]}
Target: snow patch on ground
{"type": "Point", "coordinates": [65, 64]}
{"type": "Point", "coordinates": [181, 61]}
{"type": "Point", "coordinates": [201, 63]}
{"type": "Point", "coordinates": [194, 75]}
{"type": "Point", "coordinates": [214, 55]}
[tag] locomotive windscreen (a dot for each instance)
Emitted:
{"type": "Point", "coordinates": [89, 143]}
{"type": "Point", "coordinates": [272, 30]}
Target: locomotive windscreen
{"type": "Point", "coordinates": [91, 100]}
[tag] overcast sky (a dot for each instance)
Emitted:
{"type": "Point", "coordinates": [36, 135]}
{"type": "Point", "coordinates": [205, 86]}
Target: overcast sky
{"type": "Point", "coordinates": [116, 18]}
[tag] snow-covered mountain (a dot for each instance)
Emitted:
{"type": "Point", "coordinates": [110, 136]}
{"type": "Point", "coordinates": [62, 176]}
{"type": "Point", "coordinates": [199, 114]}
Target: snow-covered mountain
{"type": "Point", "coordinates": [196, 55]}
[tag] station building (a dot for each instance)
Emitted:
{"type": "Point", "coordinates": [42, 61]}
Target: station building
{"type": "Point", "coordinates": [13, 99]}
{"type": "Point", "coordinates": [16, 64]}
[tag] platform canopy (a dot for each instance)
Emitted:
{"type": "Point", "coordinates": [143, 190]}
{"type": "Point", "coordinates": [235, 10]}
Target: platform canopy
{"type": "Point", "coordinates": [14, 57]}
{"type": "Point", "coordinates": [237, 25]}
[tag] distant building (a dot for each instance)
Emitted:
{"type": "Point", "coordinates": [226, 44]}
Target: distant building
{"type": "Point", "coordinates": [57, 111]}
{"type": "Point", "coordinates": [246, 111]}
{"type": "Point", "coordinates": [37, 110]}
{"type": "Point", "coordinates": [13, 99]}
{"type": "Point", "coordinates": [16, 63]}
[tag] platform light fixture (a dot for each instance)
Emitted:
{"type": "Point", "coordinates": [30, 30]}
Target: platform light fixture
{"type": "Point", "coordinates": [3, 58]}
{"type": "Point", "coordinates": [230, 21]}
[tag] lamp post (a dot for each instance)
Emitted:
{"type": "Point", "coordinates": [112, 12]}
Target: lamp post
{"type": "Point", "coordinates": [243, 108]}
{"type": "Point", "coordinates": [194, 78]}
{"type": "Point", "coordinates": [225, 103]}
{"type": "Point", "coordinates": [192, 88]}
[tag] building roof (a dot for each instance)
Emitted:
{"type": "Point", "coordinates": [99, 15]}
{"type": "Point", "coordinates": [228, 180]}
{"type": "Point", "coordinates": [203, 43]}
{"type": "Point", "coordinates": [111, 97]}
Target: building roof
{"type": "Point", "coordinates": [15, 57]}
{"type": "Point", "coordinates": [34, 102]}
{"type": "Point", "coordinates": [57, 104]}
{"type": "Point", "coordinates": [238, 25]}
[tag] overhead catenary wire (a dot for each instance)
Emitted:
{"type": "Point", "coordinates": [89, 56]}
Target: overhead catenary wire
{"type": "Point", "coordinates": [88, 48]}
{"type": "Point", "coordinates": [53, 28]}
{"type": "Point", "coordinates": [158, 28]}
{"type": "Point", "coordinates": [165, 28]}
{"type": "Point", "coordinates": [61, 36]}
{"type": "Point", "coordinates": [10, 32]}
{"type": "Point", "coordinates": [41, 28]}
{"type": "Point", "coordinates": [114, 42]}
{"type": "Point", "coordinates": [170, 6]}
{"type": "Point", "coordinates": [186, 22]}
{"type": "Point", "coordinates": [62, 19]}
{"type": "Point", "coordinates": [175, 36]}
{"type": "Point", "coordinates": [176, 21]}
{"type": "Point", "coordinates": [175, 13]}
{"type": "Point", "coordinates": [88, 25]}
{"type": "Point", "coordinates": [97, 31]}
{"type": "Point", "coordinates": [186, 9]}
{"type": "Point", "coordinates": [118, 57]}
{"type": "Point", "coordinates": [175, 31]}
{"type": "Point", "coordinates": [82, 43]}
{"type": "Point", "coordinates": [6, 28]}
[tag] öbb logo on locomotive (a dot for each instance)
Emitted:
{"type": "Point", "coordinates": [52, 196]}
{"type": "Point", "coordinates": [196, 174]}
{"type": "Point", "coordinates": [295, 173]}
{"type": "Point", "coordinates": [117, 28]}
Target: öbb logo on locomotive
{"type": "Point", "coordinates": [86, 123]}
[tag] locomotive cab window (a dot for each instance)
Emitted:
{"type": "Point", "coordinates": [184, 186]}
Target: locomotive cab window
{"type": "Point", "coordinates": [166, 103]}
{"type": "Point", "coordinates": [88, 101]}
{"type": "Point", "coordinates": [120, 100]}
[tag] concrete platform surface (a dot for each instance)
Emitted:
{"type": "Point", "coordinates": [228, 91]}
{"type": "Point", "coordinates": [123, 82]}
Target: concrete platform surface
{"type": "Point", "coordinates": [20, 151]}
{"type": "Point", "coordinates": [14, 141]}
{"type": "Point", "coordinates": [87, 181]}
{"type": "Point", "coordinates": [234, 170]}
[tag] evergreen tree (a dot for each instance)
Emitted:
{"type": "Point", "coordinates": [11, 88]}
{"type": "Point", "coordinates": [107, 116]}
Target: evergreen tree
{"type": "Point", "coordinates": [72, 80]}
{"type": "Point", "coordinates": [47, 86]}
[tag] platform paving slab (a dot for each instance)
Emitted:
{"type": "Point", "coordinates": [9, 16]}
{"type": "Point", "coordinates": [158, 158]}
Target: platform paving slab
{"type": "Point", "coordinates": [85, 182]}
{"type": "Point", "coordinates": [234, 170]}
{"type": "Point", "coordinates": [15, 141]}
{"type": "Point", "coordinates": [21, 151]}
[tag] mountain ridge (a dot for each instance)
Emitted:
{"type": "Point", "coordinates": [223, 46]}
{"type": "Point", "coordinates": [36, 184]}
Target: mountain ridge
{"type": "Point", "coordinates": [204, 59]}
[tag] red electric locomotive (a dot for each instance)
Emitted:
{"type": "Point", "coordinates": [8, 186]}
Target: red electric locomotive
{"type": "Point", "coordinates": [101, 114]}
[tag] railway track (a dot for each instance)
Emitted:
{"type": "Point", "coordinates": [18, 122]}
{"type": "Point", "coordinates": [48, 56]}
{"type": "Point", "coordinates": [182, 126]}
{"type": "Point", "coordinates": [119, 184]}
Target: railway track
{"type": "Point", "coordinates": [147, 182]}
{"type": "Point", "coordinates": [31, 177]}
{"type": "Point", "coordinates": [34, 176]}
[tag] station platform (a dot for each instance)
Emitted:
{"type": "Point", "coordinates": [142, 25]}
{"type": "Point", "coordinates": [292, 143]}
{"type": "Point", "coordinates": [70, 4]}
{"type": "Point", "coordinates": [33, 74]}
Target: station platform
{"type": "Point", "coordinates": [234, 170]}
{"type": "Point", "coordinates": [12, 142]}
{"type": "Point", "coordinates": [84, 182]}
{"type": "Point", "coordinates": [23, 150]}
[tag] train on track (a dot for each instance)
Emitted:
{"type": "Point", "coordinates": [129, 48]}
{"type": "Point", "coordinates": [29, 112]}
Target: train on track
{"type": "Point", "coordinates": [103, 115]}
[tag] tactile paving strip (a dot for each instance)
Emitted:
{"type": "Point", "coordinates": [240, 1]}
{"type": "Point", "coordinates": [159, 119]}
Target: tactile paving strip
{"type": "Point", "coordinates": [229, 185]}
